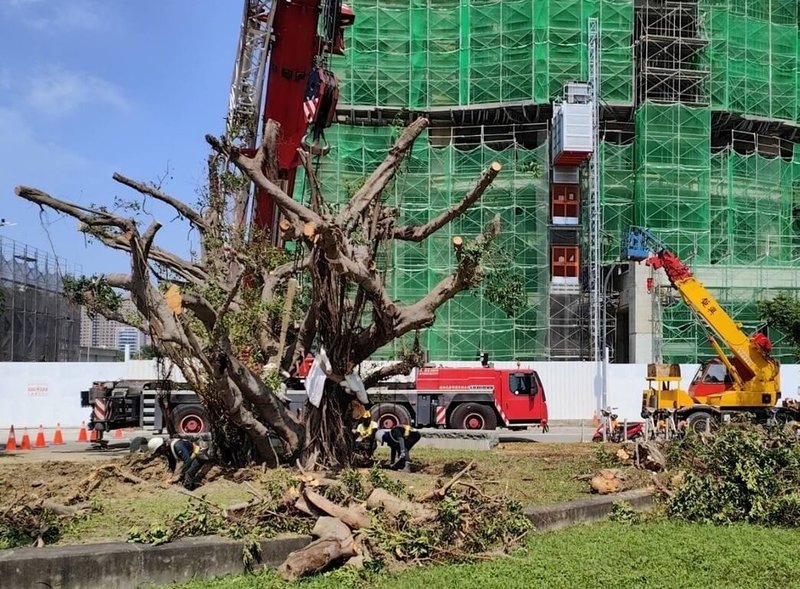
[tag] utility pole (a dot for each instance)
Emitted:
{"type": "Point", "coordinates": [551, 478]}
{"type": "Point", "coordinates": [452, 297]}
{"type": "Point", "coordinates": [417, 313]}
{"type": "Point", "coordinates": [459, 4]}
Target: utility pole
{"type": "Point", "coordinates": [595, 221]}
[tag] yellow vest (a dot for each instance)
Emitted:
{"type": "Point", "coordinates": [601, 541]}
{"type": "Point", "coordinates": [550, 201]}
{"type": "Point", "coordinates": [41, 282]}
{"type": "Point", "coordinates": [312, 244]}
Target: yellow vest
{"type": "Point", "coordinates": [365, 431]}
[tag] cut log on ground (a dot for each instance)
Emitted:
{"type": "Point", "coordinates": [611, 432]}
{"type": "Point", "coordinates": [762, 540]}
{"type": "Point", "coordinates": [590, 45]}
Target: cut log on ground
{"type": "Point", "coordinates": [335, 544]}
{"type": "Point", "coordinates": [303, 506]}
{"type": "Point", "coordinates": [395, 506]}
{"type": "Point", "coordinates": [331, 528]}
{"type": "Point", "coordinates": [354, 518]}
{"type": "Point", "coordinates": [607, 481]}
{"type": "Point", "coordinates": [68, 510]}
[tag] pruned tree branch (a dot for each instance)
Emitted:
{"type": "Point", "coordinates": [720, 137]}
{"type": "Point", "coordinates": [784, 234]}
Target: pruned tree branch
{"type": "Point", "coordinates": [422, 314]}
{"type": "Point", "coordinates": [118, 280]}
{"type": "Point", "coordinates": [316, 192]}
{"type": "Point", "coordinates": [95, 218]}
{"type": "Point", "coordinates": [295, 212]}
{"type": "Point", "coordinates": [466, 276]}
{"type": "Point", "coordinates": [382, 175]}
{"type": "Point", "coordinates": [148, 237]}
{"type": "Point", "coordinates": [182, 208]}
{"type": "Point", "coordinates": [89, 217]}
{"type": "Point", "coordinates": [418, 233]}
{"type": "Point", "coordinates": [402, 367]}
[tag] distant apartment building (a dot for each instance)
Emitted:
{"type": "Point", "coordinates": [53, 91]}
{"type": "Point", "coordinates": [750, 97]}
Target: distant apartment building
{"type": "Point", "coordinates": [99, 332]}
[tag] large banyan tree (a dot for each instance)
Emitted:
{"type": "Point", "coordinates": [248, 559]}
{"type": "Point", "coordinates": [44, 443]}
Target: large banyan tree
{"type": "Point", "coordinates": [232, 317]}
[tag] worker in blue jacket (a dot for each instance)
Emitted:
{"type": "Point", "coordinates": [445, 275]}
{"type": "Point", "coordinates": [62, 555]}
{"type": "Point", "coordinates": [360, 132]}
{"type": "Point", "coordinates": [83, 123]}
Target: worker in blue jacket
{"type": "Point", "coordinates": [400, 440]}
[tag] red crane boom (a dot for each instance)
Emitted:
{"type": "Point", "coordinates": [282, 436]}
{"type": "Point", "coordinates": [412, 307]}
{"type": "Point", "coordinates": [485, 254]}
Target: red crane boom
{"type": "Point", "coordinates": [281, 74]}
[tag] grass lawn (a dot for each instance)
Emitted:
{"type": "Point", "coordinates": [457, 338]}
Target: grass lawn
{"type": "Point", "coordinates": [660, 555]}
{"type": "Point", "coordinates": [533, 474]}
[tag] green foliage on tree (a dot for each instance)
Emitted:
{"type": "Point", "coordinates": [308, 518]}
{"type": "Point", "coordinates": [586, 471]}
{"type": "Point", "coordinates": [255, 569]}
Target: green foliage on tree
{"type": "Point", "coordinates": [742, 474]}
{"type": "Point", "coordinates": [92, 292]}
{"type": "Point", "coordinates": [783, 314]}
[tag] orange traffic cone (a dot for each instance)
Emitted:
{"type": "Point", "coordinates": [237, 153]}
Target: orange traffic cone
{"type": "Point", "coordinates": [117, 433]}
{"type": "Point", "coordinates": [40, 443]}
{"type": "Point", "coordinates": [93, 436]}
{"type": "Point", "coordinates": [595, 419]}
{"type": "Point", "coordinates": [11, 443]}
{"type": "Point", "coordinates": [58, 438]}
{"type": "Point", "coordinates": [26, 440]}
{"type": "Point", "coordinates": [82, 437]}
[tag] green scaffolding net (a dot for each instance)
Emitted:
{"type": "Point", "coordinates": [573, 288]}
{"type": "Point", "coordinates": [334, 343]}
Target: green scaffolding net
{"type": "Point", "coordinates": [431, 53]}
{"type": "Point", "coordinates": [753, 56]}
{"type": "Point", "coordinates": [752, 210]}
{"type": "Point", "coordinates": [432, 179]}
{"type": "Point", "coordinates": [684, 340]}
{"type": "Point", "coordinates": [616, 197]}
{"type": "Point", "coordinates": [672, 176]}
{"type": "Point", "coordinates": [721, 210]}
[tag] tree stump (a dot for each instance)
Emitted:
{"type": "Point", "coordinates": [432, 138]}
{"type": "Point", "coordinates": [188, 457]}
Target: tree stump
{"type": "Point", "coordinates": [650, 457]}
{"type": "Point", "coordinates": [607, 481]}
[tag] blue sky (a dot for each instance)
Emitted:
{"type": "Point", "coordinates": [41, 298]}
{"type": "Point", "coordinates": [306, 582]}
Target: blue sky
{"type": "Point", "coordinates": [90, 87]}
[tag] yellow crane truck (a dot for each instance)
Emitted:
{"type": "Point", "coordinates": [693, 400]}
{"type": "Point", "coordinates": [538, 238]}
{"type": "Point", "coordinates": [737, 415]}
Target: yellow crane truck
{"type": "Point", "coordinates": [745, 379]}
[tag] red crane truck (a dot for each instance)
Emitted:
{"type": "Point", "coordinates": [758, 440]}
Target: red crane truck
{"type": "Point", "coordinates": [455, 398]}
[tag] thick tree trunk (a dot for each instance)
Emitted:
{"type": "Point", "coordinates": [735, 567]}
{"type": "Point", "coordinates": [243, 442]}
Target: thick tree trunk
{"type": "Point", "coordinates": [329, 441]}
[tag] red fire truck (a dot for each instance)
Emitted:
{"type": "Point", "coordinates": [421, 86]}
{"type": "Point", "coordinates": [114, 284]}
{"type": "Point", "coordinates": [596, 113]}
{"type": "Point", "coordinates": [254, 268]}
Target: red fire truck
{"type": "Point", "coordinates": [456, 398]}
{"type": "Point", "coordinates": [464, 398]}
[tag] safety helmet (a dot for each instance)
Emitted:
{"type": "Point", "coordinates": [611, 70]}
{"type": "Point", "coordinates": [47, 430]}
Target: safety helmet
{"type": "Point", "coordinates": [154, 444]}
{"type": "Point", "coordinates": [366, 415]}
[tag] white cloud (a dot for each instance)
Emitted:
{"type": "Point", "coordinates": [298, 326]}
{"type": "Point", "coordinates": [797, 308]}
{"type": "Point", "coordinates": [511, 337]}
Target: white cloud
{"type": "Point", "coordinates": [55, 16]}
{"type": "Point", "coordinates": [57, 92]}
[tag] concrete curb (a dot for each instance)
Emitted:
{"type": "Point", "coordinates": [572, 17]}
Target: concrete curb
{"type": "Point", "coordinates": [134, 566]}
{"type": "Point", "coordinates": [457, 439]}
{"type": "Point", "coordinates": [138, 566]}
{"type": "Point", "coordinates": [553, 517]}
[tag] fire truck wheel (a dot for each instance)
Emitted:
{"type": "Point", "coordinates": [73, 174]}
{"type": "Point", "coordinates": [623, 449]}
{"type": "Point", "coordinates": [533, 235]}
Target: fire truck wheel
{"type": "Point", "coordinates": [389, 415]}
{"type": "Point", "coordinates": [190, 419]}
{"type": "Point", "coordinates": [473, 416]}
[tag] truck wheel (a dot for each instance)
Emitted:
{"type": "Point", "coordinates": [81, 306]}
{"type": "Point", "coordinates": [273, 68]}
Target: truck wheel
{"type": "Point", "coordinates": [701, 422]}
{"type": "Point", "coordinates": [190, 419]}
{"type": "Point", "coordinates": [389, 415]}
{"type": "Point", "coordinates": [473, 416]}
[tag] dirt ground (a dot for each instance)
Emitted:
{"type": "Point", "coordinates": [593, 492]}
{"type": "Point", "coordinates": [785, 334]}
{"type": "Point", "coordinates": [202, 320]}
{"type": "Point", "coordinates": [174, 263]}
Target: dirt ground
{"type": "Point", "coordinates": [118, 492]}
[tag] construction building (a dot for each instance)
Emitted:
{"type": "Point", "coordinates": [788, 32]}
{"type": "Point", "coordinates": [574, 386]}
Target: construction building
{"type": "Point", "coordinates": [698, 139]}
{"type": "Point", "coordinates": [37, 323]}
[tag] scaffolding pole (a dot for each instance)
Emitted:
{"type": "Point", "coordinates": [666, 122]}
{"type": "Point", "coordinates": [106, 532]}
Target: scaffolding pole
{"type": "Point", "coordinates": [597, 308]}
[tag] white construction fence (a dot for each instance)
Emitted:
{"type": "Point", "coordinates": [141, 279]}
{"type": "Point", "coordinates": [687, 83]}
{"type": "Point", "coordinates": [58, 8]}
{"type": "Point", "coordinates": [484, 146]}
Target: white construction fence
{"type": "Point", "coordinates": [47, 393]}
